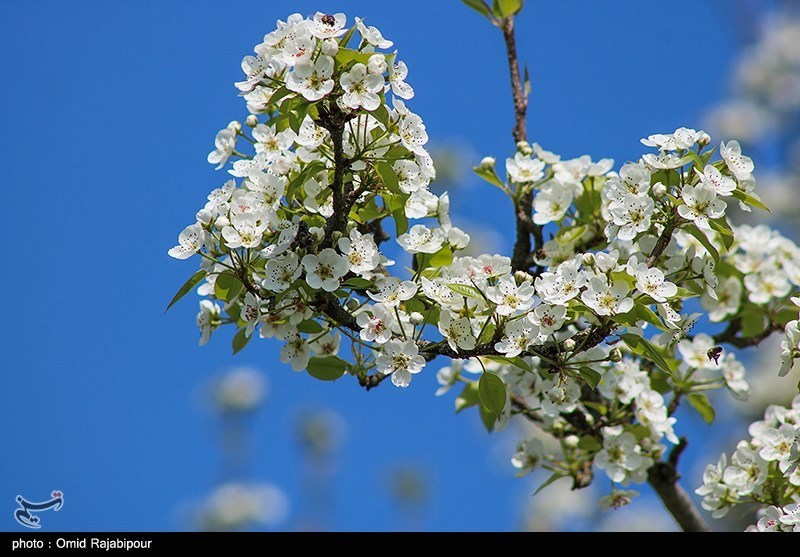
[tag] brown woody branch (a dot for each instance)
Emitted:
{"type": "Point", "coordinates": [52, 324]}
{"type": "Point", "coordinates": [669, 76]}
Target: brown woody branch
{"type": "Point", "coordinates": [524, 205]}
{"type": "Point", "coordinates": [333, 119]}
{"type": "Point", "coordinates": [663, 476]}
{"type": "Point", "coordinates": [662, 243]}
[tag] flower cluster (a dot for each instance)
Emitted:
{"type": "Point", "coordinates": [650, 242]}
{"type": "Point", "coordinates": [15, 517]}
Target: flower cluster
{"type": "Point", "coordinates": [588, 334]}
{"type": "Point", "coordinates": [764, 469]}
{"type": "Point", "coordinates": [777, 519]}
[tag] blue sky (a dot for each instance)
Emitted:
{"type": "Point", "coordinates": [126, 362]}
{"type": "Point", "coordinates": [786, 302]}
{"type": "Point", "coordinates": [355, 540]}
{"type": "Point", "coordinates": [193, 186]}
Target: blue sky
{"type": "Point", "coordinates": [109, 110]}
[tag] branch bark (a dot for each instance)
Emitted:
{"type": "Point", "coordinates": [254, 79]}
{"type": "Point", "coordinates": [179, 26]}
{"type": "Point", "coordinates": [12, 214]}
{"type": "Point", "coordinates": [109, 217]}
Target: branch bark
{"type": "Point", "coordinates": [663, 476]}
{"type": "Point", "coordinates": [523, 209]}
{"type": "Point", "coordinates": [334, 119]}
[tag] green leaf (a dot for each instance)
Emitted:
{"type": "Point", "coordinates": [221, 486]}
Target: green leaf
{"type": "Point", "coordinates": [597, 407]}
{"type": "Point", "coordinates": [721, 226]}
{"type": "Point", "coordinates": [358, 282]}
{"type": "Point", "coordinates": [750, 199]}
{"type": "Point", "coordinates": [347, 36]}
{"type": "Point", "coordinates": [187, 286]}
{"type": "Point", "coordinates": [639, 431]}
{"type": "Point", "coordinates": [441, 258]}
{"type": "Point", "coordinates": [488, 418]}
{"type": "Point", "coordinates": [644, 348]}
{"type": "Point", "coordinates": [548, 481]}
{"type": "Point", "coordinates": [468, 397]}
{"type": "Point", "coordinates": [388, 176]}
{"type": "Point", "coordinates": [700, 402]}
{"type": "Point", "coordinates": [754, 320]}
{"type": "Point", "coordinates": [685, 293]}
{"type": "Point", "coordinates": [492, 392]}
{"type": "Point", "coordinates": [278, 95]}
{"type": "Point", "coordinates": [310, 327]}
{"type": "Point", "coordinates": [240, 340]}
{"type": "Point", "coordinates": [465, 290]}
{"type": "Point", "coordinates": [590, 444]}
{"type": "Point", "coordinates": [480, 7]}
{"type": "Point", "coordinates": [517, 361]}
{"type": "Point", "coordinates": [667, 177]}
{"type": "Point", "coordinates": [506, 8]}
{"type": "Point", "coordinates": [347, 55]}
{"type": "Point", "coordinates": [590, 376]}
{"type": "Point", "coordinates": [646, 314]}
{"type": "Point", "coordinates": [400, 221]}
{"type": "Point", "coordinates": [227, 286]}
{"type": "Point", "coordinates": [570, 234]}
{"type": "Point", "coordinates": [326, 369]}
{"type": "Point", "coordinates": [490, 176]}
{"type": "Point", "coordinates": [703, 239]}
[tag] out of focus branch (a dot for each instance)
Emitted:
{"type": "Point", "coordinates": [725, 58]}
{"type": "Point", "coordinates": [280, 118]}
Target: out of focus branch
{"type": "Point", "coordinates": [663, 476]}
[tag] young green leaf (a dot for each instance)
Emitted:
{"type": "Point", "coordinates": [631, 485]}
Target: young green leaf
{"type": "Point", "coordinates": [326, 369]}
{"type": "Point", "coordinates": [310, 327]}
{"type": "Point", "coordinates": [492, 392]}
{"type": "Point", "coordinates": [187, 286]}
{"type": "Point", "coordinates": [517, 361]}
{"type": "Point", "coordinates": [644, 348]}
{"type": "Point", "coordinates": [548, 481]}
{"type": "Point", "coordinates": [506, 8]}
{"type": "Point", "coordinates": [488, 417]}
{"type": "Point", "coordinates": [468, 397]}
{"type": "Point", "coordinates": [465, 290]}
{"type": "Point", "coordinates": [358, 282]}
{"type": "Point", "coordinates": [388, 177]}
{"type": "Point", "coordinates": [590, 376]}
{"type": "Point", "coordinates": [480, 7]}
{"type": "Point", "coordinates": [750, 199]}
{"type": "Point", "coordinates": [490, 176]}
{"type": "Point", "coordinates": [227, 286]}
{"type": "Point", "coordinates": [589, 443]}
{"type": "Point", "coordinates": [240, 340]}
{"type": "Point", "coordinates": [703, 239]}
{"type": "Point", "coordinates": [700, 402]}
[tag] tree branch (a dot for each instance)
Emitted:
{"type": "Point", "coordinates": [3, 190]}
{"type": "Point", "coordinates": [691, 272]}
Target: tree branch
{"type": "Point", "coordinates": [663, 476]}
{"type": "Point", "coordinates": [524, 205]}
{"type": "Point", "coordinates": [520, 99]}
{"type": "Point", "coordinates": [334, 119]}
{"type": "Point", "coordinates": [661, 243]}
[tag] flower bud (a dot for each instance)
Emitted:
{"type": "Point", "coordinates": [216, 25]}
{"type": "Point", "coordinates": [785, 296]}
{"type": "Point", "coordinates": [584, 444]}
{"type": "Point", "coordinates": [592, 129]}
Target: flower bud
{"type": "Point", "coordinates": [251, 121]}
{"type": "Point", "coordinates": [376, 64]}
{"type": "Point", "coordinates": [615, 355]}
{"type": "Point", "coordinates": [557, 427]}
{"type": "Point", "coordinates": [571, 441]}
{"type": "Point", "coordinates": [417, 318]}
{"type": "Point", "coordinates": [588, 259]}
{"type": "Point", "coordinates": [659, 190]}
{"type": "Point", "coordinates": [487, 163]}
{"type": "Point", "coordinates": [524, 147]}
{"type": "Point", "coordinates": [569, 345]}
{"type": "Point", "coordinates": [352, 305]}
{"type": "Point", "coordinates": [522, 276]}
{"type": "Point", "coordinates": [703, 139]}
{"type": "Point", "coordinates": [330, 47]}
{"type": "Point", "coordinates": [235, 125]}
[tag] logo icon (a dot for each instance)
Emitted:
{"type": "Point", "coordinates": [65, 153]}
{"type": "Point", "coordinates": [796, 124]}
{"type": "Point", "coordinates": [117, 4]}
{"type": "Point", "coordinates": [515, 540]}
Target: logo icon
{"type": "Point", "coordinates": [24, 515]}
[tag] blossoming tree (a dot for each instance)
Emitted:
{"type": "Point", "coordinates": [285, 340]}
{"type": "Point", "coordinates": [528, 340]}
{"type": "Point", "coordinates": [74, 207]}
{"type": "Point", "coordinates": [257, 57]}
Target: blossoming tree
{"type": "Point", "coordinates": [584, 330]}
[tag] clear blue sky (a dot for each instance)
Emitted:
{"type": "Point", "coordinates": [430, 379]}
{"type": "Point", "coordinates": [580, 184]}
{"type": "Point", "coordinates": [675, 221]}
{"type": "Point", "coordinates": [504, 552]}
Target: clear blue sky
{"type": "Point", "coordinates": [109, 110]}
